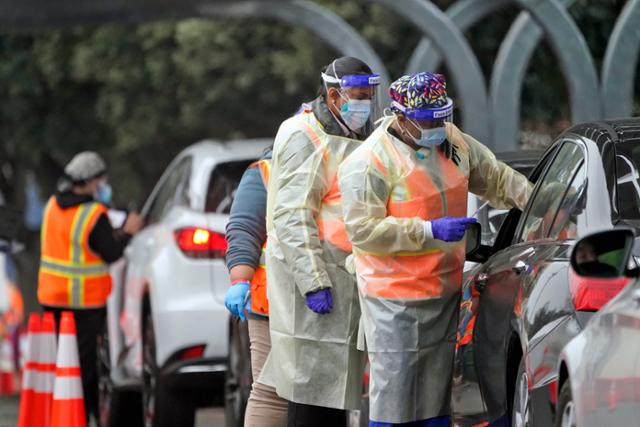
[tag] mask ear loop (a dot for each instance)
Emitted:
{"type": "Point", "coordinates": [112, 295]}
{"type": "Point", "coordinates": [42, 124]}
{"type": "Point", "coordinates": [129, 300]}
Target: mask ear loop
{"type": "Point", "coordinates": [335, 74]}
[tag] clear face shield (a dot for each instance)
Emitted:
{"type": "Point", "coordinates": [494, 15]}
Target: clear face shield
{"type": "Point", "coordinates": [360, 95]}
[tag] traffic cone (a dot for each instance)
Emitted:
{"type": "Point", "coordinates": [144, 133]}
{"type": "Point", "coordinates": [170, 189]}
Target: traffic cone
{"type": "Point", "coordinates": [27, 395]}
{"type": "Point", "coordinates": [7, 368]}
{"type": "Point", "coordinates": [46, 369]}
{"type": "Point", "coordinates": [68, 400]}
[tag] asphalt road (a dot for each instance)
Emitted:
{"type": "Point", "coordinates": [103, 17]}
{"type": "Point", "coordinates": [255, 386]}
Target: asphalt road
{"type": "Point", "coordinates": [207, 417]}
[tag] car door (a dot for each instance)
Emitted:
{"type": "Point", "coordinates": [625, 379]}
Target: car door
{"type": "Point", "coordinates": [608, 382]}
{"type": "Point", "coordinates": [138, 255]}
{"type": "Point", "coordinates": [511, 275]}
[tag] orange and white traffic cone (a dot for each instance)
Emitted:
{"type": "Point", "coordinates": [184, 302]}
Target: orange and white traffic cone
{"type": "Point", "coordinates": [7, 368]}
{"type": "Point", "coordinates": [68, 400]}
{"type": "Point", "coordinates": [46, 369]}
{"type": "Point", "coordinates": [27, 395]}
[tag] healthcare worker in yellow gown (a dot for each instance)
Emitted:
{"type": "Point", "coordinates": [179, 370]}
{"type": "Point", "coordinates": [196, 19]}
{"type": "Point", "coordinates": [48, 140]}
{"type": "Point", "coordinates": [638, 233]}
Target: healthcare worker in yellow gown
{"type": "Point", "coordinates": [404, 196]}
{"type": "Point", "coordinates": [313, 300]}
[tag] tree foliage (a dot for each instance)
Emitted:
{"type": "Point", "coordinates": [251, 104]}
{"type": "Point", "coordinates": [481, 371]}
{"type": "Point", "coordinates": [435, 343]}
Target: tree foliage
{"type": "Point", "coordinates": [140, 93]}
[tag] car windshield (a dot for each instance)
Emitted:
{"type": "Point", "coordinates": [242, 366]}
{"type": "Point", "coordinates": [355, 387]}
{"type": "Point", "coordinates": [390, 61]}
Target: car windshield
{"type": "Point", "coordinates": [223, 183]}
{"type": "Point", "coordinates": [628, 180]}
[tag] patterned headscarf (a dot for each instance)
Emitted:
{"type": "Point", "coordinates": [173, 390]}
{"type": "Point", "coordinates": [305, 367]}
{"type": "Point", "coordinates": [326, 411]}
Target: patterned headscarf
{"type": "Point", "coordinates": [422, 91]}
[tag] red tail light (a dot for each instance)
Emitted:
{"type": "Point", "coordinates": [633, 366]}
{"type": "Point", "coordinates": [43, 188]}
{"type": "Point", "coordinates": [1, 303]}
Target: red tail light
{"type": "Point", "coordinates": [197, 242]}
{"type": "Point", "coordinates": [592, 293]}
{"type": "Point", "coordinates": [192, 352]}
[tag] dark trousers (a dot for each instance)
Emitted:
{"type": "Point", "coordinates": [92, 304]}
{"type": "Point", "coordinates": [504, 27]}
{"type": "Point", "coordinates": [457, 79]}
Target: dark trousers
{"type": "Point", "coordinates": [301, 415]}
{"type": "Point", "coordinates": [89, 326]}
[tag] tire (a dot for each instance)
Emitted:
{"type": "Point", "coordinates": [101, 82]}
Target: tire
{"type": "Point", "coordinates": [238, 381]}
{"type": "Point", "coordinates": [566, 415]}
{"type": "Point", "coordinates": [521, 415]}
{"type": "Point", "coordinates": [161, 406]}
{"type": "Point", "coordinates": [116, 407]}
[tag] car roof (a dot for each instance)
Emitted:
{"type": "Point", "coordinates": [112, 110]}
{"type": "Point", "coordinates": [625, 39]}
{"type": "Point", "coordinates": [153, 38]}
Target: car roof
{"type": "Point", "coordinates": [227, 151]}
{"type": "Point", "coordinates": [523, 161]}
{"type": "Point", "coordinates": [606, 131]}
{"type": "Point", "coordinates": [528, 157]}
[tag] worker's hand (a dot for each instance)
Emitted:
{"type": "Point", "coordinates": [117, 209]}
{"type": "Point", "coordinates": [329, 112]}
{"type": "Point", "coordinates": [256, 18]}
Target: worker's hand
{"type": "Point", "coordinates": [320, 302]}
{"type": "Point", "coordinates": [133, 224]}
{"type": "Point", "coordinates": [449, 229]}
{"type": "Point", "coordinates": [235, 298]}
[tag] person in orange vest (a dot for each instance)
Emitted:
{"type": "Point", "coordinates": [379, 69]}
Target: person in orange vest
{"type": "Point", "coordinates": [247, 239]}
{"type": "Point", "coordinates": [404, 193]}
{"type": "Point", "coordinates": [77, 245]}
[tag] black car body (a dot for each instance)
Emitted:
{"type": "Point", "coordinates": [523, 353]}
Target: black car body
{"type": "Point", "coordinates": [527, 309]}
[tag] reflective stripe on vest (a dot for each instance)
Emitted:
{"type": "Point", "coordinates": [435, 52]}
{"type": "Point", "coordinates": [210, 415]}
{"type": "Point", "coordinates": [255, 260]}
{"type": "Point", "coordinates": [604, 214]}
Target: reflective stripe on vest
{"type": "Point", "coordinates": [71, 275]}
{"type": "Point", "coordinates": [427, 194]}
{"type": "Point", "coordinates": [258, 288]}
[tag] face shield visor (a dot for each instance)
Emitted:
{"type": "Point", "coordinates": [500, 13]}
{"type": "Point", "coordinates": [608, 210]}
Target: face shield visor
{"type": "Point", "coordinates": [428, 121]}
{"type": "Point", "coordinates": [359, 92]}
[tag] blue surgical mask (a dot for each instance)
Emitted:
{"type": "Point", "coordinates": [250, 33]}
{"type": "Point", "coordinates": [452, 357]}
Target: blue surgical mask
{"type": "Point", "coordinates": [355, 113]}
{"type": "Point", "coordinates": [429, 138]}
{"type": "Point", "coordinates": [104, 193]}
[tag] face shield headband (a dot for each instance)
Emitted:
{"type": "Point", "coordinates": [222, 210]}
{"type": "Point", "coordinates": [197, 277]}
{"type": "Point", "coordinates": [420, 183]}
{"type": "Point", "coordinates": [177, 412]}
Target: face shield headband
{"type": "Point", "coordinates": [433, 114]}
{"type": "Point", "coordinates": [353, 80]}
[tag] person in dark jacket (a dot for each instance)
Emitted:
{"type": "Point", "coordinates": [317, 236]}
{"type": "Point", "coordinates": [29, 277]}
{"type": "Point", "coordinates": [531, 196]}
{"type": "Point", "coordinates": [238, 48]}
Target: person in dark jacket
{"type": "Point", "coordinates": [246, 237]}
{"type": "Point", "coordinates": [78, 244]}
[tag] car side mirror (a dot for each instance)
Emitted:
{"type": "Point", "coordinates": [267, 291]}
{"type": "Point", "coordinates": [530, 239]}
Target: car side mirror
{"type": "Point", "coordinates": [473, 237]}
{"type": "Point", "coordinates": [475, 251]}
{"type": "Point", "coordinates": [603, 254]}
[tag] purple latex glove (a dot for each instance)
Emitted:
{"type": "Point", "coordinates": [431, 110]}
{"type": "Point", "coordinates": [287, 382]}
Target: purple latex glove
{"type": "Point", "coordinates": [320, 302]}
{"type": "Point", "coordinates": [450, 229]}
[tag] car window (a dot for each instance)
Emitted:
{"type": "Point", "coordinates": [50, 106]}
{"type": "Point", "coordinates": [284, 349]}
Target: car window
{"type": "Point", "coordinates": [174, 190]}
{"type": "Point", "coordinates": [223, 182]}
{"type": "Point", "coordinates": [628, 180]}
{"type": "Point", "coordinates": [550, 192]}
{"type": "Point", "coordinates": [565, 224]}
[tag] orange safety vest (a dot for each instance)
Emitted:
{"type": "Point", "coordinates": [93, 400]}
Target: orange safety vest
{"type": "Point", "coordinates": [71, 274]}
{"type": "Point", "coordinates": [410, 276]}
{"type": "Point", "coordinates": [258, 287]}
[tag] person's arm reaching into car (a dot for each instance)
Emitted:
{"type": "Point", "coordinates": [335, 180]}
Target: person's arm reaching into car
{"type": "Point", "coordinates": [494, 181]}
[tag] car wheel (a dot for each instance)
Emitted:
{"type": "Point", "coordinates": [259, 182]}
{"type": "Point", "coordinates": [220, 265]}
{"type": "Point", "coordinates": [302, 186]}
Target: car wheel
{"type": "Point", "coordinates": [116, 407]}
{"type": "Point", "coordinates": [566, 416]}
{"type": "Point", "coordinates": [238, 380]}
{"type": "Point", "coordinates": [521, 413]}
{"type": "Point", "coordinates": [162, 406]}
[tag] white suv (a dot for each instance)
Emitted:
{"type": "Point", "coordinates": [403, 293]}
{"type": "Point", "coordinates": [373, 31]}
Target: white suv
{"type": "Point", "coordinates": [167, 337]}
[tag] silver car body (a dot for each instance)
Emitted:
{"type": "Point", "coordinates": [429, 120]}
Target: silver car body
{"type": "Point", "coordinates": [603, 364]}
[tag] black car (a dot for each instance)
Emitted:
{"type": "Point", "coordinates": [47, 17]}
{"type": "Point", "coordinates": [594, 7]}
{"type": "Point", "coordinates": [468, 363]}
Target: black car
{"type": "Point", "coordinates": [527, 303]}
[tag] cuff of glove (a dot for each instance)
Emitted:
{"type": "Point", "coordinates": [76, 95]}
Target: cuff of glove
{"type": "Point", "coordinates": [235, 282]}
{"type": "Point", "coordinates": [428, 232]}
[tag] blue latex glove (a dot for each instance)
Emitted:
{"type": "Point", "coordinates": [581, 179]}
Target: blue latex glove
{"type": "Point", "coordinates": [235, 297]}
{"type": "Point", "coordinates": [320, 302]}
{"type": "Point", "coordinates": [450, 229]}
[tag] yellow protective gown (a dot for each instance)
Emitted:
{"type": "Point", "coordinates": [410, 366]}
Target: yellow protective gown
{"type": "Point", "coordinates": [313, 359]}
{"type": "Point", "coordinates": [410, 285]}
